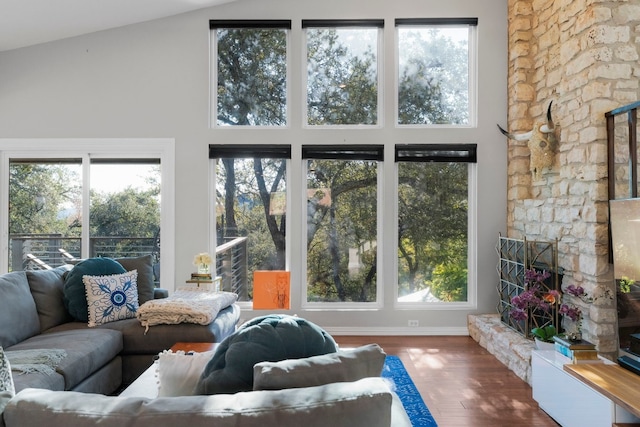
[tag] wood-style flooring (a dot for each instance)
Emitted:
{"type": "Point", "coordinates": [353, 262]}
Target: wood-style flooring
{"type": "Point", "coordinates": [462, 384]}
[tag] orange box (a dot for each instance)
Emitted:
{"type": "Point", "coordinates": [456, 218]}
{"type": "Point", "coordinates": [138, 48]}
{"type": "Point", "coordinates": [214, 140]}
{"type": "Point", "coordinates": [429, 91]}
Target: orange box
{"type": "Point", "coordinates": [271, 290]}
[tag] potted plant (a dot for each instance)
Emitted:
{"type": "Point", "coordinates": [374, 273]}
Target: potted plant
{"type": "Point", "coordinates": [537, 300]}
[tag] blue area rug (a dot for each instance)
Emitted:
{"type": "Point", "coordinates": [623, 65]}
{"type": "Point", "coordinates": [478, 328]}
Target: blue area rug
{"type": "Point", "coordinates": [418, 412]}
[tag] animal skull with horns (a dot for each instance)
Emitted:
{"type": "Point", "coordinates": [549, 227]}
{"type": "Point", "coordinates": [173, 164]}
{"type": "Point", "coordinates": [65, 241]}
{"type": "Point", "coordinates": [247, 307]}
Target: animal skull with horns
{"type": "Point", "coordinates": [541, 142]}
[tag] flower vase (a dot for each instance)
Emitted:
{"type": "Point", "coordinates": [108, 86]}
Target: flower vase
{"type": "Point", "coordinates": [543, 345]}
{"type": "Point", "coordinates": [203, 269]}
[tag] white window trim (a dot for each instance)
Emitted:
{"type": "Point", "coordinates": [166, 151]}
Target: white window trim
{"type": "Point", "coordinates": [42, 148]}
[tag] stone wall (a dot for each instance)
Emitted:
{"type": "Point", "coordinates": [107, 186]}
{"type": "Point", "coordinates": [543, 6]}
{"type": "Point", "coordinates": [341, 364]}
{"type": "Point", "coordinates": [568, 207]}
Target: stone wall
{"type": "Point", "coordinates": [584, 56]}
{"type": "Point", "coordinates": [509, 347]}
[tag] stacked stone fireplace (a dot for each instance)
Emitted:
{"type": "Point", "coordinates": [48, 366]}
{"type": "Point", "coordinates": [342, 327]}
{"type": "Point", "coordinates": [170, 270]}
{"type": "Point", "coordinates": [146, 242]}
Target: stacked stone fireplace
{"type": "Point", "coordinates": [584, 56]}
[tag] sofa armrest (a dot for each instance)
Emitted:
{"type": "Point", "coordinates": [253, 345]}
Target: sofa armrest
{"type": "Point", "coordinates": [159, 293]}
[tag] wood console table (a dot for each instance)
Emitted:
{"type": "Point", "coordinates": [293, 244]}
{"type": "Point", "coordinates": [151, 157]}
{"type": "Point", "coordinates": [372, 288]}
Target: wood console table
{"type": "Point", "coordinates": [616, 383]}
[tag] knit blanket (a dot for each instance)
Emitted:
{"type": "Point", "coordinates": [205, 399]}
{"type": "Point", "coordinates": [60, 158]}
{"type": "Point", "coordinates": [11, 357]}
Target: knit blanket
{"type": "Point", "coordinates": [36, 360]}
{"type": "Point", "coordinates": [185, 306]}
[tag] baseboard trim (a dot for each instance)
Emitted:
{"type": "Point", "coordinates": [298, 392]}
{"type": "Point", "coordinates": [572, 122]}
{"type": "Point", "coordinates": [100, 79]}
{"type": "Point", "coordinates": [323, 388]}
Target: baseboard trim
{"type": "Point", "coordinates": [365, 331]}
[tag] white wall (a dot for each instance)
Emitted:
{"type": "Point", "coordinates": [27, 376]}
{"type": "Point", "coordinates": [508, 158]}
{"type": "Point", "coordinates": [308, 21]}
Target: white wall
{"type": "Point", "coordinates": [152, 80]}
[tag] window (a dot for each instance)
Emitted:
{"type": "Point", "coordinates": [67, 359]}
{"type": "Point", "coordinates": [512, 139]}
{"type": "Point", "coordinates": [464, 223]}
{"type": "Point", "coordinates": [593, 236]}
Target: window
{"type": "Point", "coordinates": [45, 199]}
{"type": "Point", "coordinates": [86, 198]}
{"type": "Point", "coordinates": [433, 221]}
{"type": "Point", "coordinates": [251, 212]}
{"type": "Point", "coordinates": [342, 71]}
{"type": "Point", "coordinates": [435, 71]}
{"type": "Point", "coordinates": [250, 85]}
{"type": "Point", "coordinates": [342, 226]}
{"type": "Point", "coordinates": [364, 234]}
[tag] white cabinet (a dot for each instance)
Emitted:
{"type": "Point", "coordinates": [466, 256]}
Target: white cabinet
{"type": "Point", "coordinates": [568, 400]}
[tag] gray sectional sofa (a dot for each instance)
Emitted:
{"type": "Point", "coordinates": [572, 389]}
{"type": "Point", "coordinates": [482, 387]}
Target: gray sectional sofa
{"type": "Point", "coordinates": [341, 389]}
{"type": "Point", "coordinates": [98, 359]}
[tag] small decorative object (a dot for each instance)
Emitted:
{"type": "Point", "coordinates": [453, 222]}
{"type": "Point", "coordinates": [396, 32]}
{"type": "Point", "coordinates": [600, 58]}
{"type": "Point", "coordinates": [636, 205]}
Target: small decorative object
{"type": "Point", "coordinates": [203, 262]}
{"type": "Point", "coordinates": [271, 290]}
{"type": "Point", "coordinates": [541, 141]}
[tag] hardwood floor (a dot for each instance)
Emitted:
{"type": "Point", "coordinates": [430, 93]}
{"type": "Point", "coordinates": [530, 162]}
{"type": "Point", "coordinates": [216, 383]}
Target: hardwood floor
{"type": "Point", "coordinates": [461, 383]}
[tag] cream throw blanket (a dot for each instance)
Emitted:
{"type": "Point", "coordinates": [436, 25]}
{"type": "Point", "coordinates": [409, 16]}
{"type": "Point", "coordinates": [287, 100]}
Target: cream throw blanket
{"type": "Point", "coordinates": [185, 306]}
{"type": "Point", "coordinates": [37, 360]}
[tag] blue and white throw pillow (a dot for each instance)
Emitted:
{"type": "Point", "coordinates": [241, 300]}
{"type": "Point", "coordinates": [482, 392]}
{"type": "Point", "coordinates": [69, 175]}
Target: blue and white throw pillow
{"type": "Point", "coordinates": [111, 298]}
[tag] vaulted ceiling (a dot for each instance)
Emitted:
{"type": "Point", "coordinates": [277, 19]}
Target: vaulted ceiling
{"type": "Point", "coordinates": [30, 22]}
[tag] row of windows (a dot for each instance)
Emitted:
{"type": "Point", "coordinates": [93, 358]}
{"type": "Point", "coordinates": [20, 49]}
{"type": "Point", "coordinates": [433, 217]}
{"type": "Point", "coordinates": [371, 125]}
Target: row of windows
{"type": "Point", "coordinates": [342, 224]}
{"type": "Point", "coordinates": [344, 68]}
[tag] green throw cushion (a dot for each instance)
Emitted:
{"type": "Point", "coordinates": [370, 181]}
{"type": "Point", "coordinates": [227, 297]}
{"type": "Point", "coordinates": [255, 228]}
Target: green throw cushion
{"type": "Point", "coordinates": [267, 338]}
{"type": "Point", "coordinates": [144, 265]}
{"type": "Point", "coordinates": [75, 296]}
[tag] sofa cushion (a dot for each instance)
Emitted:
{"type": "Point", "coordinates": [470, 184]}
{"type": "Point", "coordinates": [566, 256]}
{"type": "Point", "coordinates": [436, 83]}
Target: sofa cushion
{"type": "Point", "coordinates": [162, 337]}
{"type": "Point", "coordinates": [266, 338]}
{"type": "Point", "coordinates": [144, 266]}
{"type": "Point", "coordinates": [111, 298]}
{"type": "Point", "coordinates": [18, 316]}
{"type": "Point", "coordinates": [75, 297]}
{"type": "Point", "coordinates": [47, 288]}
{"type": "Point", "coordinates": [87, 350]}
{"type": "Point", "coordinates": [341, 366]}
{"type": "Point", "coordinates": [367, 402]}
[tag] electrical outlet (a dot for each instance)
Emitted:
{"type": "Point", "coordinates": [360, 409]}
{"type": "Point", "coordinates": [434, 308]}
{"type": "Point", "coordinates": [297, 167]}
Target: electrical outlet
{"type": "Point", "coordinates": [414, 323]}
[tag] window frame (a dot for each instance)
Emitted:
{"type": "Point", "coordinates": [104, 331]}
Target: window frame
{"type": "Point", "coordinates": [443, 152]}
{"type": "Point", "coordinates": [346, 152]}
{"type": "Point", "coordinates": [248, 151]}
{"type": "Point", "coordinates": [162, 149]}
{"type": "Point", "coordinates": [472, 23]}
{"type": "Point", "coordinates": [214, 24]}
{"type": "Point", "coordinates": [380, 59]}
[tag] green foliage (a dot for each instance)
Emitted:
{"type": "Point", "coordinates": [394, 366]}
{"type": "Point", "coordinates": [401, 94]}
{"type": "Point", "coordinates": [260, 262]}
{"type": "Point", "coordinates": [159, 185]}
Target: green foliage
{"type": "Point", "coordinates": [252, 73]}
{"type": "Point", "coordinates": [37, 193]}
{"type": "Point", "coordinates": [545, 333]}
{"type": "Point", "coordinates": [130, 212]}
{"type": "Point", "coordinates": [342, 89]}
{"type": "Point", "coordinates": [433, 86]}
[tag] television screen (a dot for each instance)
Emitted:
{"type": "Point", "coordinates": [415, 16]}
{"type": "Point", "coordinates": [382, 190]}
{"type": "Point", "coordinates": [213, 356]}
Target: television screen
{"type": "Point", "coordinates": [624, 216]}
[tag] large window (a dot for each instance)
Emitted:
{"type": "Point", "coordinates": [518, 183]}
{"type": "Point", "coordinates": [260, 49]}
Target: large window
{"type": "Point", "coordinates": [364, 233]}
{"type": "Point", "coordinates": [434, 71]}
{"type": "Point", "coordinates": [342, 71]}
{"type": "Point", "coordinates": [251, 212]}
{"type": "Point", "coordinates": [66, 204]}
{"type": "Point", "coordinates": [433, 221]}
{"type": "Point", "coordinates": [342, 226]}
{"type": "Point", "coordinates": [250, 80]}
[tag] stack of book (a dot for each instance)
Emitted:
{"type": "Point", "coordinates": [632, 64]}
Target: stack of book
{"type": "Point", "coordinates": [206, 282]}
{"type": "Point", "coordinates": [579, 351]}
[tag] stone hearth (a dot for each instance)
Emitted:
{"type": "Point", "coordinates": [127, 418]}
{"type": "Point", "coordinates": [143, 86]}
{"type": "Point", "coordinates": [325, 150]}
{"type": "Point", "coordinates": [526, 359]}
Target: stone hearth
{"type": "Point", "coordinates": [509, 347]}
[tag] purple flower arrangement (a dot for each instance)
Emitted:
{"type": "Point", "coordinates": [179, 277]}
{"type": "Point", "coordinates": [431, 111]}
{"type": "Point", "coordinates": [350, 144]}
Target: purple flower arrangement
{"type": "Point", "coordinates": [538, 299]}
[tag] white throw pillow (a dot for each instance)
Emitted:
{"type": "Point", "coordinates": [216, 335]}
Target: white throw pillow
{"type": "Point", "coordinates": [178, 372]}
{"type": "Point", "coordinates": [111, 298]}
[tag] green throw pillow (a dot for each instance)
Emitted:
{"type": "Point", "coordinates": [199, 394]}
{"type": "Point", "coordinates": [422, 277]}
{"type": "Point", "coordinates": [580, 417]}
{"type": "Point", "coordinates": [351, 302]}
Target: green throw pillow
{"type": "Point", "coordinates": [267, 338]}
{"type": "Point", "coordinates": [75, 296]}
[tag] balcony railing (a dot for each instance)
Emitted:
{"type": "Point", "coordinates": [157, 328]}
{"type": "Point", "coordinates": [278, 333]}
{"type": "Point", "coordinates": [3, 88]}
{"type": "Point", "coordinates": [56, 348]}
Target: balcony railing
{"type": "Point", "coordinates": [38, 251]}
